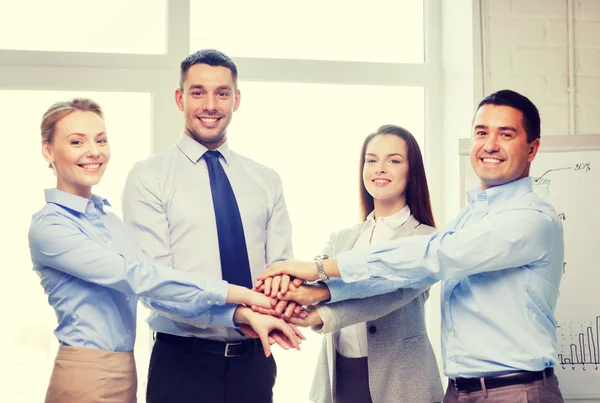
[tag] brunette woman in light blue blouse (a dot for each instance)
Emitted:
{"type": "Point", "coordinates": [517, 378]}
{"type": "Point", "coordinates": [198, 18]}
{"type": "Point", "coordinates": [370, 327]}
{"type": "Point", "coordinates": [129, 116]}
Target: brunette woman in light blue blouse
{"type": "Point", "coordinates": [93, 273]}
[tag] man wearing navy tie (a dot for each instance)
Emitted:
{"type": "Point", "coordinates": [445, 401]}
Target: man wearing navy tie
{"type": "Point", "coordinates": [201, 207]}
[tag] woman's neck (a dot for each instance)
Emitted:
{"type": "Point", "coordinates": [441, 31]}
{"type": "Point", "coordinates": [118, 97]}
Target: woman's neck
{"type": "Point", "coordinates": [384, 208]}
{"type": "Point", "coordinates": [76, 189]}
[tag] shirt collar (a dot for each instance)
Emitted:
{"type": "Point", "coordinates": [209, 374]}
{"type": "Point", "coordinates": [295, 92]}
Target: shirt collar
{"type": "Point", "coordinates": [194, 150]}
{"type": "Point", "coordinates": [498, 194]}
{"type": "Point", "coordinates": [393, 221]}
{"type": "Point", "coordinates": [74, 202]}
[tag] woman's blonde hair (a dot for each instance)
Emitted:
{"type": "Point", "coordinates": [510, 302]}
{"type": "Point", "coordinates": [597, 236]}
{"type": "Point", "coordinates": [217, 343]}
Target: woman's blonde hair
{"type": "Point", "coordinates": [61, 109]}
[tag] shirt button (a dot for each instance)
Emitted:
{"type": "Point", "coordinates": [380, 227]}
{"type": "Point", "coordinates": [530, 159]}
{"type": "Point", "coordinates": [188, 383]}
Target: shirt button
{"type": "Point", "coordinates": [355, 276]}
{"type": "Point", "coordinates": [209, 302]}
{"type": "Point", "coordinates": [128, 330]}
{"type": "Point", "coordinates": [451, 334]}
{"type": "Point", "coordinates": [218, 302]}
{"type": "Point", "coordinates": [127, 299]}
{"type": "Point", "coordinates": [372, 329]}
{"type": "Point", "coordinates": [447, 303]}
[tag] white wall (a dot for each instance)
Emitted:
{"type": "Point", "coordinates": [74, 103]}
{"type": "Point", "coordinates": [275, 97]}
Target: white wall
{"type": "Point", "coordinates": [527, 50]}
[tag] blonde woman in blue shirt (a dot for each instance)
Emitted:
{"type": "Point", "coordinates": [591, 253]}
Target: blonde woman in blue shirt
{"type": "Point", "coordinates": [94, 273]}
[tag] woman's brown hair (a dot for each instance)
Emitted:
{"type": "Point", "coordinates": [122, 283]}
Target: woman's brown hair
{"type": "Point", "coordinates": [417, 191]}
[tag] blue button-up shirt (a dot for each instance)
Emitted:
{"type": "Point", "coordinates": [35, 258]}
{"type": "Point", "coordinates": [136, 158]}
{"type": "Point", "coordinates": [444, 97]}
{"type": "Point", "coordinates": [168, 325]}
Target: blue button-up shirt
{"type": "Point", "coordinates": [93, 274]}
{"type": "Point", "coordinates": [500, 262]}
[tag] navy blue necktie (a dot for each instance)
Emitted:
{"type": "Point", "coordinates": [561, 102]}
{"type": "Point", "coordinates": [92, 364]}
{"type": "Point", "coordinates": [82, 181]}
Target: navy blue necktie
{"type": "Point", "coordinates": [235, 267]}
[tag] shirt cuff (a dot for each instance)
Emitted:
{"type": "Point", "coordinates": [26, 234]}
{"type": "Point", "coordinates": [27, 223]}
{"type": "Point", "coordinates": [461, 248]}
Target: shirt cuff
{"type": "Point", "coordinates": [223, 315]}
{"type": "Point", "coordinates": [352, 265]}
{"type": "Point", "coordinates": [338, 290]}
{"type": "Point", "coordinates": [326, 315]}
{"type": "Point", "coordinates": [215, 292]}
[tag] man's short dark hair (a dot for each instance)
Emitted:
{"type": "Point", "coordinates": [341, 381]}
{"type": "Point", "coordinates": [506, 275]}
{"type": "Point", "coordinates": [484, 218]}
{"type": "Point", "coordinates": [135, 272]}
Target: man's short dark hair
{"type": "Point", "coordinates": [211, 57]}
{"type": "Point", "coordinates": [531, 115]}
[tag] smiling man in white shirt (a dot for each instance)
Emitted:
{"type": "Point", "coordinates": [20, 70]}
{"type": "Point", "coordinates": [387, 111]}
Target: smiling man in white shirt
{"type": "Point", "coordinates": [201, 207]}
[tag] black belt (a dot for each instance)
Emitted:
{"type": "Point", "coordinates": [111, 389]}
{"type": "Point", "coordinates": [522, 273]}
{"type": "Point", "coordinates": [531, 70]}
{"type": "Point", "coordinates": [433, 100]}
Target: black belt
{"type": "Point", "coordinates": [233, 349]}
{"type": "Point", "coordinates": [513, 378]}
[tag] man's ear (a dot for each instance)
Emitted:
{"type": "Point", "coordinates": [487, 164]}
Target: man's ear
{"type": "Point", "coordinates": [238, 97]}
{"type": "Point", "coordinates": [179, 98]}
{"type": "Point", "coordinates": [533, 149]}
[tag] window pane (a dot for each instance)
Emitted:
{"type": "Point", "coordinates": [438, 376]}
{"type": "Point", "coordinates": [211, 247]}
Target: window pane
{"type": "Point", "coordinates": [27, 345]}
{"type": "Point", "coordinates": [314, 141]}
{"type": "Point", "coordinates": [374, 31]}
{"type": "Point", "coordinates": [109, 26]}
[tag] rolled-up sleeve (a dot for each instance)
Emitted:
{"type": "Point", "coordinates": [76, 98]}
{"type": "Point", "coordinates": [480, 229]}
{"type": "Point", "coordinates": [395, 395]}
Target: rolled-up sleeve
{"type": "Point", "coordinates": [507, 239]}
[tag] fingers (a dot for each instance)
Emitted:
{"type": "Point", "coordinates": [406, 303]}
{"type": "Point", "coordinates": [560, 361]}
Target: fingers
{"type": "Point", "coordinates": [264, 339]}
{"type": "Point", "coordinates": [258, 284]}
{"type": "Point", "coordinates": [289, 310]}
{"type": "Point", "coordinates": [280, 340]}
{"type": "Point", "coordinates": [268, 282]}
{"type": "Point", "coordinates": [248, 331]}
{"type": "Point", "coordinates": [275, 286]}
{"type": "Point", "coordinates": [285, 282]}
{"type": "Point", "coordinates": [298, 333]}
{"type": "Point", "coordinates": [292, 333]}
{"type": "Point", "coordinates": [289, 296]}
{"type": "Point", "coordinates": [280, 306]}
{"type": "Point", "coordinates": [264, 311]}
{"type": "Point", "coordinates": [274, 302]}
{"type": "Point", "coordinates": [272, 271]}
{"type": "Point", "coordinates": [298, 310]}
{"type": "Point", "coordinates": [298, 282]}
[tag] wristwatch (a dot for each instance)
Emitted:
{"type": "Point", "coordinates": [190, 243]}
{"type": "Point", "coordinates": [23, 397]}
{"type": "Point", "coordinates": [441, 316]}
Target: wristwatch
{"type": "Point", "coordinates": [320, 269]}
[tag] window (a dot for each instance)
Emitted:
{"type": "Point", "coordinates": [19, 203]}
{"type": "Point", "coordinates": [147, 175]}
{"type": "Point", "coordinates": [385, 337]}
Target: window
{"type": "Point", "coordinates": [29, 348]}
{"type": "Point", "coordinates": [311, 134]}
{"type": "Point", "coordinates": [109, 26]}
{"type": "Point", "coordinates": [375, 31]}
{"type": "Point", "coordinates": [308, 100]}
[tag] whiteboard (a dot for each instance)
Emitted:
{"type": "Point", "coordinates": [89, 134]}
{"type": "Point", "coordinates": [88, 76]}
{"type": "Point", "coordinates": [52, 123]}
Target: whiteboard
{"type": "Point", "coordinates": [566, 171]}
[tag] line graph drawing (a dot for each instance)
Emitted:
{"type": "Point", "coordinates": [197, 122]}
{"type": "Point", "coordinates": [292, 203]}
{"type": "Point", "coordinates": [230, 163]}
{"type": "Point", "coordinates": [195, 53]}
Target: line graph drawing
{"type": "Point", "coordinates": [541, 185]}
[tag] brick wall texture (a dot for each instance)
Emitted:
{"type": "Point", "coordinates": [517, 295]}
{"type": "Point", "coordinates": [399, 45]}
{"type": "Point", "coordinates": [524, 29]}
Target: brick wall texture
{"type": "Point", "coordinates": [527, 50]}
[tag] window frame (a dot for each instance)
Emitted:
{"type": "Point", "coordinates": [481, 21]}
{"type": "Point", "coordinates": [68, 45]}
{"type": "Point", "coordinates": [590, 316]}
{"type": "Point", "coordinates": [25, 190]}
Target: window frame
{"type": "Point", "coordinates": [159, 75]}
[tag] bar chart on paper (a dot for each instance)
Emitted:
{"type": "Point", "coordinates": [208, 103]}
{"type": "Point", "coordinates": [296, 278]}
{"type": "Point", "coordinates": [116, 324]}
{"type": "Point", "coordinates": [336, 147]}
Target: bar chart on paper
{"type": "Point", "coordinates": [566, 172]}
{"type": "Point", "coordinates": [579, 346]}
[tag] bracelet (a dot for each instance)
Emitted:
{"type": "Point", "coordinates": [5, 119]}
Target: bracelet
{"type": "Point", "coordinates": [320, 269]}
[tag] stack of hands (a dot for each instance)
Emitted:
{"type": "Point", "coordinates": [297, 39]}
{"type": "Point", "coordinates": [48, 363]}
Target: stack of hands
{"type": "Point", "coordinates": [280, 300]}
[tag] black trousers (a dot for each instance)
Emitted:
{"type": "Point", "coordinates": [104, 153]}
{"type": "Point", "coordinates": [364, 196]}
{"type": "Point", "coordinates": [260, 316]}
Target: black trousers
{"type": "Point", "coordinates": [182, 374]}
{"type": "Point", "coordinates": [352, 380]}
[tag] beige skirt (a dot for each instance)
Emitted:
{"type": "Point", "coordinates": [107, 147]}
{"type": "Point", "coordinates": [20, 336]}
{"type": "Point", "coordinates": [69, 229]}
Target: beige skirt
{"type": "Point", "coordinates": [88, 375]}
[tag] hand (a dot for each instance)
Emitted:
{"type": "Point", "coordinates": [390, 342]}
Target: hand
{"type": "Point", "coordinates": [312, 318]}
{"type": "Point", "coordinates": [242, 295]}
{"type": "Point", "coordinates": [271, 286]}
{"type": "Point", "coordinates": [295, 268]}
{"type": "Point", "coordinates": [274, 337]}
{"type": "Point", "coordinates": [306, 294]}
{"type": "Point", "coordinates": [264, 325]}
{"type": "Point", "coordinates": [290, 309]}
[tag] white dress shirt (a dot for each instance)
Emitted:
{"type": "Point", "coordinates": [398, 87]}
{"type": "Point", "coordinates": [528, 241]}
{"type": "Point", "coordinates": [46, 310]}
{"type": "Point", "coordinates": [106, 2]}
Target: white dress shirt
{"type": "Point", "coordinates": [167, 206]}
{"type": "Point", "coordinates": [352, 340]}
